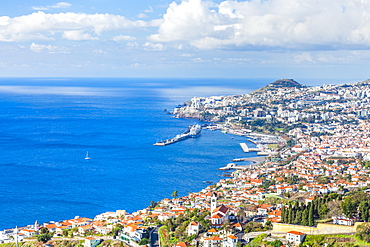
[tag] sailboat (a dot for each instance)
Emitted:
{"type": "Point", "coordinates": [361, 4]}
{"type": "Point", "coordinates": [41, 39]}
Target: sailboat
{"type": "Point", "coordinates": [87, 156]}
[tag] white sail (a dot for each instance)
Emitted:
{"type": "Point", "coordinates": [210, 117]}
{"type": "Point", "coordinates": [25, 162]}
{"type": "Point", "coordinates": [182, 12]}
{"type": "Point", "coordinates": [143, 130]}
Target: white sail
{"type": "Point", "coordinates": [87, 156]}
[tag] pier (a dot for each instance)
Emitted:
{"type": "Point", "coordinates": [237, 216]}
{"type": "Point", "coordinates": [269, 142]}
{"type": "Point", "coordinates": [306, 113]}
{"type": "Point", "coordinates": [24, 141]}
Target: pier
{"type": "Point", "coordinates": [193, 131]}
{"type": "Point", "coordinates": [246, 149]}
{"type": "Point", "coordinates": [254, 160]}
{"type": "Point", "coordinates": [231, 166]}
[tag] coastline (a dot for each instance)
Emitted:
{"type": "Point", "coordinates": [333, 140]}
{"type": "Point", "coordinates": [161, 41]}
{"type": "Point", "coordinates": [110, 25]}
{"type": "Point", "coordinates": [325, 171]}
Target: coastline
{"type": "Point", "coordinates": [217, 179]}
{"type": "Point", "coordinates": [255, 160]}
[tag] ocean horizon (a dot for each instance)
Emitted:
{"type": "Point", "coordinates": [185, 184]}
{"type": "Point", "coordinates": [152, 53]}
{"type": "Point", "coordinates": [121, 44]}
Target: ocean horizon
{"type": "Point", "coordinates": [49, 124]}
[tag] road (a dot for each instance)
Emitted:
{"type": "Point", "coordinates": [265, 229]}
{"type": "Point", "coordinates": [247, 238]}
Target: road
{"type": "Point", "coordinates": [154, 238]}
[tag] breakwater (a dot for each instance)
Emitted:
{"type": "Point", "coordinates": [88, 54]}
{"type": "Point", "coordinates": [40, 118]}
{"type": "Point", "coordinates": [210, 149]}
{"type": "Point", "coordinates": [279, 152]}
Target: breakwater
{"type": "Point", "coordinates": [193, 131]}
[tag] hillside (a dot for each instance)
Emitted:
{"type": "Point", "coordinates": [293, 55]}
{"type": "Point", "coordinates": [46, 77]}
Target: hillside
{"type": "Point", "coordinates": [362, 83]}
{"type": "Point", "coordinates": [282, 83]}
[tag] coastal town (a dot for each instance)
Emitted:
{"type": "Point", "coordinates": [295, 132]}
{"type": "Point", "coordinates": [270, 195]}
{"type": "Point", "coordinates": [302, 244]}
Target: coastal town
{"type": "Point", "coordinates": [311, 188]}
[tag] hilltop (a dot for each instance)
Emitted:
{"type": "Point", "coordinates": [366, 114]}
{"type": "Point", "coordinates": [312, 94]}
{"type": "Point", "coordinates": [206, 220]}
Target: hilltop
{"type": "Point", "coordinates": [362, 83]}
{"type": "Point", "coordinates": [282, 83]}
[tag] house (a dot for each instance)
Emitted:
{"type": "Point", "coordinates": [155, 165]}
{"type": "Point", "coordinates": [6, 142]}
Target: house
{"type": "Point", "coordinates": [91, 242]}
{"type": "Point", "coordinates": [84, 229]}
{"type": "Point", "coordinates": [140, 234]}
{"type": "Point", "coordinates": [182, 244]}
{"type": "Point", "coordinates": [237, 227]}
{"type": "Point", "coordinates": [219, 215]}
{"type": "Point", "coordinates": [214, 241]}
{"type": "Point", "coordinates": [193, 228]}
{"type": "Point", "coordinates": [310, 199]}
{"type": "Point", "coordinates": [27, 232]}
{"type": "Point", "coordinates": [230, 241]}
{"type": "Point", "coordinates": [295, 237]}
{"type": "Point", "coordinates": [343, 221]}
{"type": "Point", "coordinates": [263, 209]}
{"type": "Point", "coordinates": [212, 231]}
{"type": "Point", "coordinates": [76, 222]}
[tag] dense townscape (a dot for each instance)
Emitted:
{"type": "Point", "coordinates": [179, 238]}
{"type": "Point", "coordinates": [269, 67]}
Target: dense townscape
{"type": "Point", "coordinates": [310, 190]}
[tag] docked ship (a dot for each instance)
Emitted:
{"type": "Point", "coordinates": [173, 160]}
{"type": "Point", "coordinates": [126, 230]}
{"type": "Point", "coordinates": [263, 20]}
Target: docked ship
{"type": "Point", "coordinates": [193, 131]}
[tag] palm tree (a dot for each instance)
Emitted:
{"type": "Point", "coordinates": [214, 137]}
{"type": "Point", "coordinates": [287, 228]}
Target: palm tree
{"type": "Point", "coordinates": [175, 194]}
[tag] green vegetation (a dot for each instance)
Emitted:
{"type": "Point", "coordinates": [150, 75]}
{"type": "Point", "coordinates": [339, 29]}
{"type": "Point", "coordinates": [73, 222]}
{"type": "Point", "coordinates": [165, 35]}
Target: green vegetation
{"type": "Point", "coordinates": [260, 241]}
{"type": "Point", "coordinates": [318, 209]}
{"type": "Point", "coordinates": [174, 229]}
{"type": "Point", "coordinates": [175, 194]}
{"type": "Point", "coordinates": [116, 230]}
{"type": "Point", "coordinates": [257, 227]}
{"type": "Point", "coordinates": [56, 243]}
{"type": "Point", "coordinates": [144, 241]}
{"type": "Point", "coordinates": [353, 202]}
{"type": "Point", "coordinates": [333, 241]}
{"type": "Point", "coordinates": [44, 235]}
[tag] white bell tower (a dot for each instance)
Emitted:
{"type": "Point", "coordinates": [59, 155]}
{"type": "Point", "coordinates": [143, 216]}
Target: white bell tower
{"type": "Point", "coordinates": [213, 202]}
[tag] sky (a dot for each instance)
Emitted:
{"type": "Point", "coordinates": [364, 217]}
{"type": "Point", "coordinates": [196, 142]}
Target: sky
{"type": "Point", "coordinates": [185, 38]}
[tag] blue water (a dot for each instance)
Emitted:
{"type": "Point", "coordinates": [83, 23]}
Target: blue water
{"type": "Point", "coordinates": [48, 125]}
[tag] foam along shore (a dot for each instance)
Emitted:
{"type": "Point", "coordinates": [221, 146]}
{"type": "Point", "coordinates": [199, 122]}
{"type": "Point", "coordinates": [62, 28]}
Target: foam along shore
{"type": "Point", "coordinates": [255, 160]}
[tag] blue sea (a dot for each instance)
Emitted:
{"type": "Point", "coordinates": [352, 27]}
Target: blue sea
{"type": "Point", "coordinates": [48, 124]}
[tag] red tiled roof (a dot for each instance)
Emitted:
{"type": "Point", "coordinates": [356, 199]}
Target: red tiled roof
{"type": "Point", "coordinates": [296, 233]}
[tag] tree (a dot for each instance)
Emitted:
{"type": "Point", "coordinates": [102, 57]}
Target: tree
{"type": "Point", "coordinates": [116, 229]}
{"type": "Point", "coordinates": [241, 214]}
{"type": "Point", "coordinates": [144, 241]}
{"type": "Point", "coordinates": [363, 232]}
{"type": "Point", "coordinates": [311, 220]}
{"type": "Point", "coordinates": [153, 204]}
{"type": "Point", "coordinates": [284, 217]}
{"type": "Point", "coordinates": [175, 194]}
{"type": "Point", "coordinates": [323, 210]}
{"type": "Point", "coordinates": [351, 203]}
{"type": "Point", "coordinates": [305, 217]}
{"type": "Point", "coordinates": [298, 217]}
{"type": "Point", "coordinates": [44, 235]}
{"type": "Point", "coordinates": [276, 243]}
{"type": "Point", "coordinates": [364, 209]}
{"type": "Point", "coordinates": [334, 209]}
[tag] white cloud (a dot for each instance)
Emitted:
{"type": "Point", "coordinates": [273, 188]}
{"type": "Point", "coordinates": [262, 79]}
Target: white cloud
{"type": "Point", "coordinates": [149, 10]}
{"type": "Point", "coordinates": [153, 46]}
{"type": "Point", "coordinates": [100, 51]}
{"type": "Point", "coordinates": [49, 90]}
{"type": "Point", "coordinates": [77, 35]}
{"type": "Point", "coordinates": [197, 59]}
{"type": "Point", "coordinates": [132, 45]}
{"type": "Point", "coordinates": [60, 5]}
{"type": "Point", "coordinates": [48, 48]}
{"type": "Point", "coordinates": [304, 57]}
{"type": "Point", "coordinates": [187, 55]}
{"type": "Point", "coordinates": [142, 16]}
{"type": "Point", "coordinates": [123, 38]}
{"type": "Point", "coordinates": [255, 24]}
{"type": "Point", "coordinates": [73, 26]}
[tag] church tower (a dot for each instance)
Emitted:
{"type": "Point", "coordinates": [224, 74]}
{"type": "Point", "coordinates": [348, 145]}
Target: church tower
{"type": "Point", "coordinates": [213, 202]}
{"type": "Point", "coordinates": [36, 226]}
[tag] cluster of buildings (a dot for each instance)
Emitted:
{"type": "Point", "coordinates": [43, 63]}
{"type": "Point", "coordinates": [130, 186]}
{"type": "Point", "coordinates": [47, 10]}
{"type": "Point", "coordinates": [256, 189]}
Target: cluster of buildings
{"type": "Point", "coordinates": [287, 105]}
{"type": "Point", "coordinates": [329, 155]}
